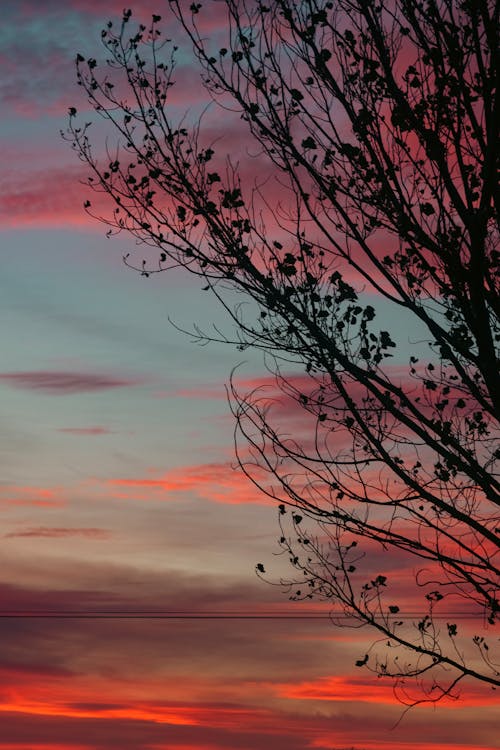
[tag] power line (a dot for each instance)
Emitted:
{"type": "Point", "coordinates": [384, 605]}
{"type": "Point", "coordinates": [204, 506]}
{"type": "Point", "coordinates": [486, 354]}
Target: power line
{"type": "Point", "coordinates": [206, 615]}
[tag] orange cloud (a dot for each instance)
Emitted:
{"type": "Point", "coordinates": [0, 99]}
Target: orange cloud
{"type": "Point", "coordinates": [341, 688]}
{"type": "Point", "coordinates": [338, 689]}
{"type": "Point", "coordinates": [218, 482]}
{"type": "Point", "coordinates": [205, 711]}
{"type": "Point", "coordinates": [79, 697]}
{"type": "Point", "coordinates": [49, 497]}
{"type": "Point", "coordinates": [158, 714]}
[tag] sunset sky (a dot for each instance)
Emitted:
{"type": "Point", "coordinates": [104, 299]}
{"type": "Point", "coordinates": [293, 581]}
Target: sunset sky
{"type": "Point", "coordinates": [118, 489]}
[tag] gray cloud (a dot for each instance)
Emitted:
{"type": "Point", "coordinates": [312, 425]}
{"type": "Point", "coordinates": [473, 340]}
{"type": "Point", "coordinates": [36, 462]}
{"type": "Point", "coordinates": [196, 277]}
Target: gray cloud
{"type": "Point", "coordinates": [62, 383]}
{"type": "Point", "coordinates": [96, 430]}
{"type": "Point", "coordinates": [56, 532]}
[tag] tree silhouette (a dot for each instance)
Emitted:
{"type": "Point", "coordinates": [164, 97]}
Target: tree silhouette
{"type": "Point", "coordinates": [377, 123]}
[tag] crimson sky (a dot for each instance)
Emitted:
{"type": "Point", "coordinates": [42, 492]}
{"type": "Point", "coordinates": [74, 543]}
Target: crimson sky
{"type": "Point", "coordinates": [118, 491]}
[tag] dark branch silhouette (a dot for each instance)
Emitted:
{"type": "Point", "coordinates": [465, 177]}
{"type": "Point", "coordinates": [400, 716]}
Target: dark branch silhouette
{"type": "Point", "coordinates": [374, 126]}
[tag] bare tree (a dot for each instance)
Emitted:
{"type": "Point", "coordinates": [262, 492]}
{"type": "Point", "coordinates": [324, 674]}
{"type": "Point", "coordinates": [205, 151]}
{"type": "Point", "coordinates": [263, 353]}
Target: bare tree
{"type": "Point", "coordinates": [379, 123]}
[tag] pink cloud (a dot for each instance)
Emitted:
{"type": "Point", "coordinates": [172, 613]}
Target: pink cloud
{"type": "Point", "coordinates": [141, 8]}
{"type": "Point", "coordinates": [62, 383]}
{"type": "Point", "coordinates": [46, 196]}
{"type": "Point", "coordinates": [39, 75]}
{"type": "Point", "coordinates": [209, 393]}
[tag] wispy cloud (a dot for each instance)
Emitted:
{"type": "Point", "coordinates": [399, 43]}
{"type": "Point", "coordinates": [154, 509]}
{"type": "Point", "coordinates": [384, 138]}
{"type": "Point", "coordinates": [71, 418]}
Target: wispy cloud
{"type": "Point", "coordinates": [219, 482]}
{"type": "Point", "coordinates": [44, 195]}
{"type": "Point", "coordinates": [96, 430]}
{"type": "Point", "coordinates": [365, 690]}
{"type": "Point", "coordinates": [39, 43]}
{"type": "Point", "coordinates": [62, 383]}
{"type": "Point", "coordinates": [42, 497]}
{"type": "Point", "coordinates": [58, 532]}
{"type": "Point", "coordinates": [57, 680]}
